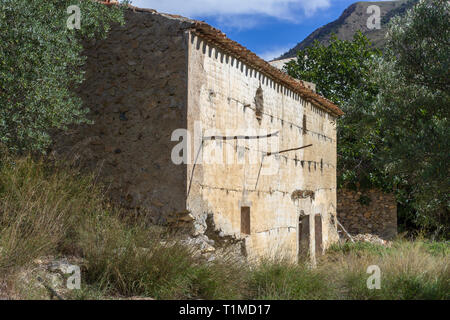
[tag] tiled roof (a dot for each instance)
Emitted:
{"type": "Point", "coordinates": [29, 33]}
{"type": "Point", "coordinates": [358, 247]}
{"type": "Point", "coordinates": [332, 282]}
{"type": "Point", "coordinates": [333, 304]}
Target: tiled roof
{"type": "Point", "coordinates": [214, 35]}
{"type": "Point", "coordinates": [218, 38]}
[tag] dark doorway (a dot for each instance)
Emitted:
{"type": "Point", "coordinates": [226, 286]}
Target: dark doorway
{"type": "Point", "coordinates": [303, 237]}
{"type": "Point", "coordinates": [318, 233]}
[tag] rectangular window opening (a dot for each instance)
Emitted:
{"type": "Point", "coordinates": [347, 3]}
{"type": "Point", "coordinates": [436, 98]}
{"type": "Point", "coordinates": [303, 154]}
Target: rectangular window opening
{"type": "Point", "coordinates": [245, 220]}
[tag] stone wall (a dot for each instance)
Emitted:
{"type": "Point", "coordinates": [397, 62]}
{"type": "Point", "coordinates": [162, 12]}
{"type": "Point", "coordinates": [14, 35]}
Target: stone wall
{"type": "Point", "coordinates": [136, 90]}
{"type": "Point", "coordinates": [370, 211]}
{"type": "Point", "coordinates": [225, 98]}
{"type": "Point", "coordinates": [155, 75]}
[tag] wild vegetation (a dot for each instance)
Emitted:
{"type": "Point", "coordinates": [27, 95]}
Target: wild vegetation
{"type": "Point", "coordinates": [49, 211]}
{"type": "Point", "coordinates": [394, 135]}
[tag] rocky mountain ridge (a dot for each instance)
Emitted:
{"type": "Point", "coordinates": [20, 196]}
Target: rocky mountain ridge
{"type": "Point", "coordinates": [355, 18]}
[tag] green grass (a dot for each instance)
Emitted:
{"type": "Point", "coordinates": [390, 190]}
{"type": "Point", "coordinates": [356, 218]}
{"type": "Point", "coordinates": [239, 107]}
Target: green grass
{"type": "Point", "coordinates": [283, 280]}
{"type": "Point", "coordinates": [409, 269]}
{"type": "Point", "coordinates": [58, 211]}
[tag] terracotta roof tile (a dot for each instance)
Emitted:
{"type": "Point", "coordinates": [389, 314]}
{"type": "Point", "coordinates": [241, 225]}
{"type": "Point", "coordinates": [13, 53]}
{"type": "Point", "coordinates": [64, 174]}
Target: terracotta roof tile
{"type": "Point", "coordinates": [203, 29]}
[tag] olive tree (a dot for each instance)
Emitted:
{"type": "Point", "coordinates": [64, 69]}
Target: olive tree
{"type": "Point", "coordinates": [40, 62]}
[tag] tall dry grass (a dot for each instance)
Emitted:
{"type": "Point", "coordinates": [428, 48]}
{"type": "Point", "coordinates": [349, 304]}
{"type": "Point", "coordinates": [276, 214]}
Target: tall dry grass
{"type": "Point", "coordinates": [409, 270]}
{"type": "Point", "coordinates": [38, 208]}
{"type": "Point", "coordinates": [48, 210]}
{"type": "Point", "coordinates": [56, 210]}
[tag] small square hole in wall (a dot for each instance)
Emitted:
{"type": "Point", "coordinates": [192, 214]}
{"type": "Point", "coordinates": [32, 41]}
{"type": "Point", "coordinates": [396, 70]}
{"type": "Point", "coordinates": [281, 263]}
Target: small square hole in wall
{"type": "Point", "coordinates": [245, 220]}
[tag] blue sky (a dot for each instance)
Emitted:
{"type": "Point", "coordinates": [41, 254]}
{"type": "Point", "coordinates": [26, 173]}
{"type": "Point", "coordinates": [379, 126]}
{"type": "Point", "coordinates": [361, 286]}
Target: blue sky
{"type": "Point", "coordinates": [267, 27]}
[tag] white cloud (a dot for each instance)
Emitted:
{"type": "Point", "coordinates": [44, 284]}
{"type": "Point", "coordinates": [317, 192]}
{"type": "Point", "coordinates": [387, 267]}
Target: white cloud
{"type": "Point", "coordinates": [239, 22]}
{"type": "Point", "coordinates": [290, 10]}
{"type": "Point", "coordinates": [274, 52]}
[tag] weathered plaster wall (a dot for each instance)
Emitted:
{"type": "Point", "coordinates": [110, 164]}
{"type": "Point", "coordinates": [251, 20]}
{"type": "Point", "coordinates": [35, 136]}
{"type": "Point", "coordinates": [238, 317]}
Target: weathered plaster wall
{"type": "Point", "coordinates": [136, 86]}
{"type": "Point", "coordinates": [370, 211]}
{"type": "Point", "coordinates": [222, 98]}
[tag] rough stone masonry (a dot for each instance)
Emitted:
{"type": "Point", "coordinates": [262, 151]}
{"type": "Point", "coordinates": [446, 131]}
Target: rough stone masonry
{"type": "Point", "coordinates": [161, 73]}
{"type": "Point", "coordinates": [368, 211]}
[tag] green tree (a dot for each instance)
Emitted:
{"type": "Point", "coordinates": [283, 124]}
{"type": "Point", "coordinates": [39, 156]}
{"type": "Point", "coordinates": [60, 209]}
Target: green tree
{"type": "Point", "coordinates": [413, 109]}
{"type": "Point", "coordinates": [40, 61]}
{"type": "Point", "coordinates": [338, 69]}
{"type": "Point", "coordinates": [395, 133]}
{"type": "Point", "coordinates": [342, 72]}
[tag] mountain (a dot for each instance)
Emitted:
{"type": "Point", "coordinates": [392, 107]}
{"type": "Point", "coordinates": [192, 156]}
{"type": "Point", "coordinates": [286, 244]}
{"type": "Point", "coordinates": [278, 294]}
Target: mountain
{"type": "Point", "coordinates": [355, 18]}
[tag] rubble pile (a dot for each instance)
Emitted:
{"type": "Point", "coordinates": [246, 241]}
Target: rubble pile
{"type": "Point", "coordinates": [371, 238]}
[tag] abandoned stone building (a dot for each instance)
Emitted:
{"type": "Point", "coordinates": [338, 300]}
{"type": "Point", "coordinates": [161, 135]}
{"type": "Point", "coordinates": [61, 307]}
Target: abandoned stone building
{"type": "Point", "coordinates": [159, 76]}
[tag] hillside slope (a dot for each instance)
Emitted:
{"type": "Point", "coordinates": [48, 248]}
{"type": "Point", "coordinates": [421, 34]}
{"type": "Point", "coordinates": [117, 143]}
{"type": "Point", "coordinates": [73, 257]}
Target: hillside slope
{"type": "Point", "coordinates": [354, 18]}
